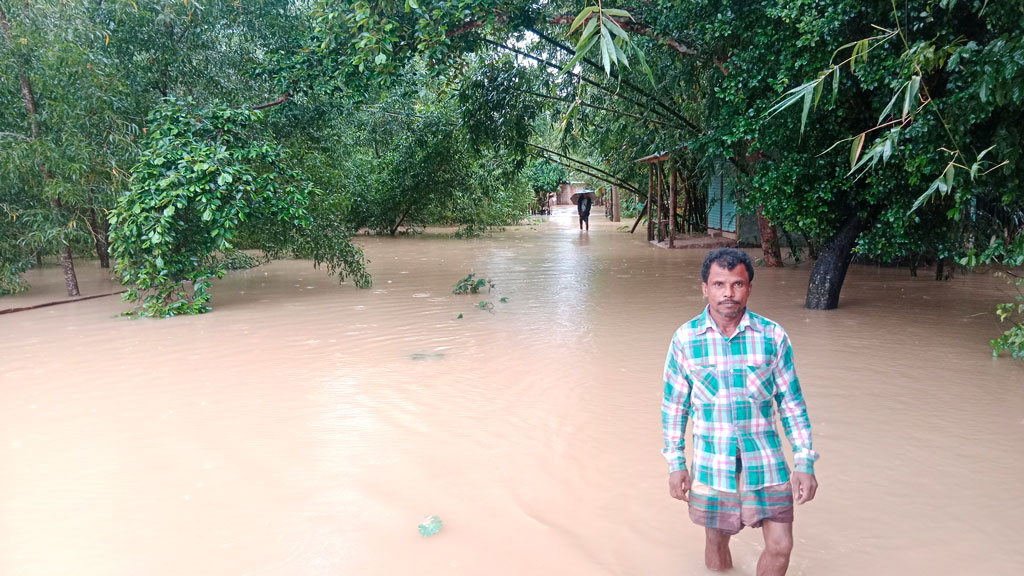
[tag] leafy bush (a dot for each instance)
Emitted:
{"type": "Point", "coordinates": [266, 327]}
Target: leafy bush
{"type": "Point", "coordinates": [472, 285]}
{"type": "Point", "coordinates": [204, 176]}
{"type": "Point", "coordinates": [1012, 340]}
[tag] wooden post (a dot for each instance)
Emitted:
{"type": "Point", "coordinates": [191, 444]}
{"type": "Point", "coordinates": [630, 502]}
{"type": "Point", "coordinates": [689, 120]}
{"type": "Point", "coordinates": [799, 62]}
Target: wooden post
{"type": "Point", "coordinates": [616, 207]}
{"type": "Point", "coordinates": [650, 202]}
{"type": "Point", "coordinates": [687, 205]}
{"type": "Point", "coordinates": [672, 206]}
{"type": "Point", "coordinates": [661, 186]}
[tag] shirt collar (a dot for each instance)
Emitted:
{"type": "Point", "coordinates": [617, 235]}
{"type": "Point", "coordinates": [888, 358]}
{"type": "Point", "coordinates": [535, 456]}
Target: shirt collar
{"type": "Point", "coordinates": [708, 323]}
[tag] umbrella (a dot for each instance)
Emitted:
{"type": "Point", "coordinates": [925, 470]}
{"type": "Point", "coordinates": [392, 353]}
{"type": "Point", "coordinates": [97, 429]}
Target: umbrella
{"type": "Point", "coordinates": [576, 195]}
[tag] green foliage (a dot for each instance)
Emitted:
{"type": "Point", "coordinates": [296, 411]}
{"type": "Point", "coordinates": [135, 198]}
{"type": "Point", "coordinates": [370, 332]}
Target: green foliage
{"type": "Point", "coordinates": [1012, 340]}
{"type": "Point", "coordinates": [14, 259]}
{"type": "Point", "coordinates": [237, 260]}
{"type": "Point", "coordinates": [204, 173]}
{"type": "Point", "coordinates": [545, 176]}
{"type": "Point", "coordinates": [935, 110]}
{"type": "Point", "coordinates": [405, 158]}
{"type": "Point", "coordinates": [472, 285]}
{"type": "Point", "coordinates": [601, 27]}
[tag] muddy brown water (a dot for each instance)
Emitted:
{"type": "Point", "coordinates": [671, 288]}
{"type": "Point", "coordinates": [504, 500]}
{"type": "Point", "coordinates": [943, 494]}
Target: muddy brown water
{"type": "Point", "coordinates": [306, 427]}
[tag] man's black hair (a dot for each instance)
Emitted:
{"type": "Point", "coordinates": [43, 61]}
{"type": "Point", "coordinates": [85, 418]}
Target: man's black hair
{"type": "Point", "coordinates": [727, 258]}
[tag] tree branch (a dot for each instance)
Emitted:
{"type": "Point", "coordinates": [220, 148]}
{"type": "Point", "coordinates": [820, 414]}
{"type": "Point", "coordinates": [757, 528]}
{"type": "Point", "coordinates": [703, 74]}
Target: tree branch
{"type": "Point", "coordinates": [474, 24]}
{"type": "Point", "coordinates": [579, 77]}
{"type": "Point", "coordinates": [594, 106]}
{"type": "Point", "coordinates": [21, 137]}
{"type": "Point", "coordinates": [608, 176]}
{"type": "Point", "coordinates": [626, 83]}
{"type": "Point", "coordinates": [284, 98]}
{"type": "Point", "coordinates": [581, 170]}
{"type": "Point", "coordinates": [634, 26]}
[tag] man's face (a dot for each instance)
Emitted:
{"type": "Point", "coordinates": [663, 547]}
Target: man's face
{"type": "Point", "coordinates": [727, 290]}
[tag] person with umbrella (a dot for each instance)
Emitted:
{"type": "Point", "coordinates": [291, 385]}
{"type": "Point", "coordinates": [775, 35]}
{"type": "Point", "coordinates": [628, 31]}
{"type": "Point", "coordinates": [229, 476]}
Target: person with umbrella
{"type": "Point", "coordinates": [584, 200]}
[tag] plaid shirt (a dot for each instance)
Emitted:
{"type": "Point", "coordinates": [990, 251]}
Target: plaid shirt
{"type": "Point", "coordinates": [728, 385]}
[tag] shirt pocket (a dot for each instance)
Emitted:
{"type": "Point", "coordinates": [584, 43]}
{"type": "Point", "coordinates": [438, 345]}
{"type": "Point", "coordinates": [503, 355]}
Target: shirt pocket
{"type": "Point", "coordinates": [760, 383]}
{"type": "Point", "coordinates": [705, 385]}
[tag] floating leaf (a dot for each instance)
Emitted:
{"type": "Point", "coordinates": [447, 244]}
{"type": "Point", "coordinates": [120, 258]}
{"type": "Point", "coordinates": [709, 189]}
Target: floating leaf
{"type": "Point", "coordinates": [504, 299]}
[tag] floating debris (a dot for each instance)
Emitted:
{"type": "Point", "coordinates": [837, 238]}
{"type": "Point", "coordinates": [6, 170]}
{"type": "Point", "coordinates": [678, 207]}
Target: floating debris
{"type": "Point", "coordinates": [427, 355]}
{"type": "Point", "coordinates": [429, 526]}
{"type": "Point", "coordinates": [504, 300]}
{"type": "Point", "coordinates": [472, 285]}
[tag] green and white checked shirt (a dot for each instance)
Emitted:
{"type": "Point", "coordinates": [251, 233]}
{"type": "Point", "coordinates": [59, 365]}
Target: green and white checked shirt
{"type": "Point", "coordinates": [730, 386]}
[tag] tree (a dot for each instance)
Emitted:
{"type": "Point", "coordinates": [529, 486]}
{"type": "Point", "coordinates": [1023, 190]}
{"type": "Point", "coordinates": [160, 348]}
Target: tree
{"type": "Point", "coordinates": [204, 175]}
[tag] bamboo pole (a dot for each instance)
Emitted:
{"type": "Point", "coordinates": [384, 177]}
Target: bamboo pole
{"type": "Point", "coordinates": [661, 185]}
{"type": "Point", "coordinates": [672, 206]}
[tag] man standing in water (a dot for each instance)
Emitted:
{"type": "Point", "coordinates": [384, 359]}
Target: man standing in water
{"type": "Point", "coordinates": [583, 206]}
{"type": "Point", "coordinates": [728, 367]}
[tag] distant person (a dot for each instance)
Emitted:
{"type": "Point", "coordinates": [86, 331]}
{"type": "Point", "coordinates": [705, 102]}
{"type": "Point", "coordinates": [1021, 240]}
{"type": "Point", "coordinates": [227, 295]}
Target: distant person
{"type": "Point", "coordinates": [728, 368]}
{"type": "Point", "coordinates": [583, 204]}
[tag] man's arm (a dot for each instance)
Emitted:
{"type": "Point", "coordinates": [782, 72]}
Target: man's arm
{"type": "Point", "coordinates": [675, 407]}
{"type": "Point", "coordinates": [793, 411]}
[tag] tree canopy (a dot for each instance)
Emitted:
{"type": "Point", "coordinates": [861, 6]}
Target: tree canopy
{"type": "Point", "coordinates": [873, 130]}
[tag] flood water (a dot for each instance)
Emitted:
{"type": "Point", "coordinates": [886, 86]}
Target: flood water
{"type": "Point", "coordinates": [306, 427]}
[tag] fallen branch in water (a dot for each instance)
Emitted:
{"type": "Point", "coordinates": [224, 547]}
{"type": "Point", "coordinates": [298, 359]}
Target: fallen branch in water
{"type": "Point", "coordinates": [24, 308]}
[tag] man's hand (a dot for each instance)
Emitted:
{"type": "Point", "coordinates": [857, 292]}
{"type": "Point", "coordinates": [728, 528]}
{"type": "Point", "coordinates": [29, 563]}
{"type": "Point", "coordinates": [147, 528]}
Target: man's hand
{"type": "Point", "coordinates": [679, 485]}
{"type": "Point", "coordinates": [804, 487]}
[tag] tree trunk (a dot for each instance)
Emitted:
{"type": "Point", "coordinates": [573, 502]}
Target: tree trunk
{"type": "Point", "coordinates": [769, 240]}
{"type": "Point", "coordinates": [99, 230]}
{"type": "Point", "coordinates": [940, 269]}
{"type": "Point", "coordinates": [830, 269]}
{"type": "Point", "coordinates": [394, 230]}
{"type": "Point", "coordinates": [66, 261]}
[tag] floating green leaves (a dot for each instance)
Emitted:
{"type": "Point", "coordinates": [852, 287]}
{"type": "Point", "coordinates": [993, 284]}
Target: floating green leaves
{"type": "Point", "coordinates": [429, 526]}
{"type": "Point", "coordinates": [472, 285]}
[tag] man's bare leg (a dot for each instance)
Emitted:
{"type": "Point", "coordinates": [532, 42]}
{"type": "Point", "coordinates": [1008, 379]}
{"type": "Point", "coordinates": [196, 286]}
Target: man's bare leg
{"type": "Point", "coordinates": [778, 544]}
{"type": "Point", "coordinates": [717, 556]}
